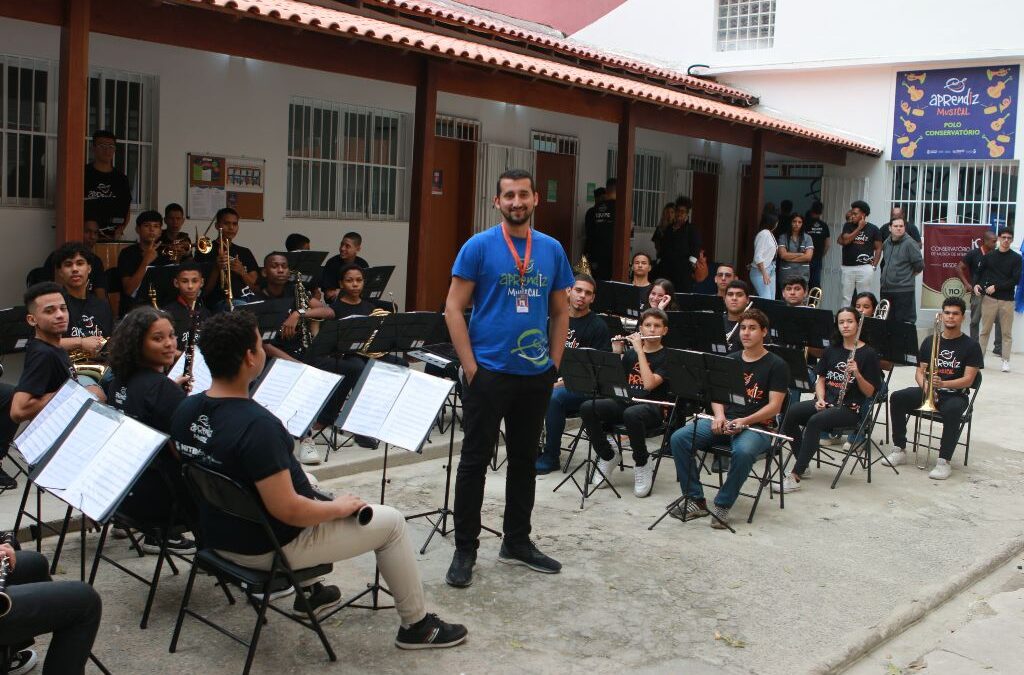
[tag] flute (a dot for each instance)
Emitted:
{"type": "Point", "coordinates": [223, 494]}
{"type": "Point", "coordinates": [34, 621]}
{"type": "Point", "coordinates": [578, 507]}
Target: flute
{"type": "Point", "coordinates": [642, 337]}
{"type": "Point", "coordinates": [733, 425]}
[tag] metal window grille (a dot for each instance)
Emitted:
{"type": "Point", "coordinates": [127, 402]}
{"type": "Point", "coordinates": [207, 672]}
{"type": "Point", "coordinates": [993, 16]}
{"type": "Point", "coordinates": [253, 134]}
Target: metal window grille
{"type": "Point", "coordinates": [955, 192]}
{"type": "Point", "coordinates": [457, 128]}
{"type": "Point", "coordinates": [124, 103]}
{"type": "Point", "coordinates": [542, 141]}
{"type": "Point", "coordinates": [346, 161]}
{"type": "Point", "coordinates": [702, 164]}
{"type": "Point", "coordinates": [649, 176]}
{"type": "Point", "coordinates": [745, 24]}
{"type": "Point", "coordinates": [28, 131]}
{"type": "Point", "coordinates": [788, 170]}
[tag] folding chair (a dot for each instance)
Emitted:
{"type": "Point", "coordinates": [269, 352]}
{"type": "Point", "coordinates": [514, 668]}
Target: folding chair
{"type": "Point", "coordinates": [966, 420]}
{"type": "Point", "coordinates": [225, 495]}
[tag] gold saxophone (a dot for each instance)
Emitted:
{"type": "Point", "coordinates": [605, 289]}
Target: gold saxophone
{"type": "Point", "coordinates": [308, 328]}
{"type": "Point", "coordinates": [379, 311]}
{"type": "Point", "coordinates": [86, 365]}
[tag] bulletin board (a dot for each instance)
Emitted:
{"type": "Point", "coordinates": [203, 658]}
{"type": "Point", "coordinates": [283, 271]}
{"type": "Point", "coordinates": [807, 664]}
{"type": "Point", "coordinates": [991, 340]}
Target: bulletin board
{"type": "Point", "coordinates": [216, 181]}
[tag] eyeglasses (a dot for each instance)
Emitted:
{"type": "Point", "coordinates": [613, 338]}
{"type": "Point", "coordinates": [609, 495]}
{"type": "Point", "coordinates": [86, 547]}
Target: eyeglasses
{"type": "Point", "coordinates": [106, 146]}
{"type": "Point", "coordinates": [724, 274]}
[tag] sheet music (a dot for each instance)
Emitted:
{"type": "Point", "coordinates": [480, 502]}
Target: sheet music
{"type": "Point", "coordinates": [75, 453]}
{"type": "Point", "coordinates": [278, 381]}
{"type": "Point", "coordinates": [415, 410]}
{"type": "Point", "coordinates": [295, 392]}
{"type": "Point", "coordinates": [379, 392]}
{"type": "Point", "coordinates": [44, 430]}
{"type": "Point", "coordinates": [201, 378]}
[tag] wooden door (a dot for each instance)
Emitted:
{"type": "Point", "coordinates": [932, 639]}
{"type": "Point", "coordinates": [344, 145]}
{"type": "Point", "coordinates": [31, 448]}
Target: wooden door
{"type": "Point", "coordinates": [451, 215]}
{"type": "Point", "coordinates": [705, 210]}
{"type": "Point", "coordinates": [556, 183]}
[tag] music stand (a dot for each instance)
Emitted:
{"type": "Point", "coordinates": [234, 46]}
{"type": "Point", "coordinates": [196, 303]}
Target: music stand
{"type": "Point", "coordinates": [597, 373]}
{"type": "Point", "coordinates": [614, 324]}
{"type": "Point", "coordinates": [270, 314]}
{"type": "Point", "coordinates": [699, 302]}
{"type": "Point", "coordinates": [798, 376]}
{"type": "Point", "coordinates": [14, 330]}
{"type": "Point", "coordinates": [803, 326]}
{"type": "Point", "coordinates": [344, 336]}
{"type": "Point", "coordinates": [697, 331]}
{"type": "Point", "coordinates": [620, 298]}
{"type": "Point", "coordinates": [161, 278]}
{"type": "Point", "coordinates": [375, 281]}
{"type": "Point", "coordinates": [404, 332]}
{"type": "Point", "coordinates": [305, 266]}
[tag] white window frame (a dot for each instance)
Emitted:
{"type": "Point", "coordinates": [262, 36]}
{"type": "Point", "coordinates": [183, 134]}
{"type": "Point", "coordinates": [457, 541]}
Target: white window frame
{"type": "Point", "coordinates": [744, 24]}
{"type": "Point", "coordinates": [968, 192]}
{"type": "Point", "coordinates": [41, 128]}
{"type": "Point", "coordinates": [650, 177]}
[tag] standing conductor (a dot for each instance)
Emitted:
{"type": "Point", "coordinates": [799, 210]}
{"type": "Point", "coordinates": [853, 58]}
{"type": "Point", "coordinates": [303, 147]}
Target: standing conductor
{"type": "Point", "coordinates": [515, 279]}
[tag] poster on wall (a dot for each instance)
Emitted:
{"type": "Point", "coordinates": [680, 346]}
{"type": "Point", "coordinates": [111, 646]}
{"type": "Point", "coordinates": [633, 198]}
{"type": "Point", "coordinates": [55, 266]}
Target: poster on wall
{"type": "Point", "coordinates": [216, 181]}
{"type": "Point", "coordinates": [945, 245]}
{"type": "Point", "coordinates": [955, 113]}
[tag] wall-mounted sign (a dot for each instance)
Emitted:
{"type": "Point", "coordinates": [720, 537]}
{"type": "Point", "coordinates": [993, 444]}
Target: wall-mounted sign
{"type": "Point", "coordinates": [945, 245]}
{"type": "Point", "coordinates": [956, 113]}
{"type": "Point", "coordinates": [216, 181]}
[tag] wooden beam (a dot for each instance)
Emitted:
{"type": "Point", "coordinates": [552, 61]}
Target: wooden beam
{"type": "Point", "coordinates": [71, 119]}
{"type": "Point", "coordinates": [755, 195]}
{"type": "Point", "coordinates": [422, 176]}
{"type": "Point", "coordinates": [800, 148]}
{"type": "Point", "coordinates": [625, 166]}
{"type": "Point", "coordinates": [694, 125]}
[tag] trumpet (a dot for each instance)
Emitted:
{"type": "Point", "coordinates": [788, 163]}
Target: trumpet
{"type": "Point", "coordinates": [928, 404]}
{"type": "Point", "coordinates": [175, 250]}
{"type": "Point", "coordinates": [814, 298]}
{"type": "Point", "coordinates": [882, 311]}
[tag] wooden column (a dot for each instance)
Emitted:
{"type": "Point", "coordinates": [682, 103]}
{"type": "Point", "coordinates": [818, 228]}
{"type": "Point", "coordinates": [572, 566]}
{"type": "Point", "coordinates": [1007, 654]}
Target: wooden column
{"type": "Point", "coordinates": [71, 119]}
{"type": "Point", "coordinates": [422, 170]}
{"type": "Point", "coordinates": [625, 167]}
{"type": "Point", "coordinates": [756, 193]}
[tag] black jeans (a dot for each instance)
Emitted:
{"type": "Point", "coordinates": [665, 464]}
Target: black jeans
{"type": "Point", "coordinates": [901, 306]}
{"type": "Point", "coordinates": [71, 610]}
{"type": "Point", "coordinates": [636, 417]}
{"type": "Point", "coordinates": [815, 281]}
{"type": "Point", "coordinates": [521, 400]}
{"type": "Point", "coordinates": [951, 409]}
{"type": "Point", "coordinates": [804, 424]}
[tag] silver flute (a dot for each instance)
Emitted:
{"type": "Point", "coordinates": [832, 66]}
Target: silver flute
{"type": "Point", "coordinates": [733, 425]}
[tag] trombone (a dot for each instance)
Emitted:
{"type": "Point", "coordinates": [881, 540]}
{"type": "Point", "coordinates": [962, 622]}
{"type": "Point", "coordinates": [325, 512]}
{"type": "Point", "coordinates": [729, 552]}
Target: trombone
{"type": "Point", "coordinates": [814, 298]}
{"type": "Point", "coordinates": [928, 404]}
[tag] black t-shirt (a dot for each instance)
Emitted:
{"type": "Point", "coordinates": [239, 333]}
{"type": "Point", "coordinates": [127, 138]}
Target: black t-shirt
{"type": "Point", "coordinates": [329, 274]}
{"type": "Point", "coordinates": [128, 262]}
{"type": "Point", "coordinates": [732, 335]}
{"type": "Point", "coordinates": [108, 196]}
{"type": "Point", "coordinates": [953, 359]}
{"type": "Point", "coordinates": [832, 366]}
{"type": "Point", "coordinates": [677, 247]}
{"type": "Point", "coordinates": [88, 317]}
{"type": "Point", "coordinates": [860, 251]}
{"type": "Point", "coordinates": [819, 232]}
{"type": "Point", "coordinates": [599, 228]}
{"type": "Point", "coordinates": [46, 368]}
{"type": "Point", "coordinates": [658, 362]}
{"type": "Point", "coordinates": [282, 305]}
{"type": "Point", "coordinates": [244, 441]}
{"type": "Point", "coordinates": [97, 274]}
{"type": "Point", "coordinates": [769, 373]}
{"type": "Point", "coordinates": [973, 262]}
{"type": "Point", "coordinates": [643, 295]}
{"type": "Point", "coordinates": [588, 331]}
{"type": "Point", "coordinates": [148, 396]}
{"type": "Point", "coordinates": [181, 318]}
{"type": "Point", "coordinates": [343, 309]}
{"type": "Point", "coordinates": [239, 289]}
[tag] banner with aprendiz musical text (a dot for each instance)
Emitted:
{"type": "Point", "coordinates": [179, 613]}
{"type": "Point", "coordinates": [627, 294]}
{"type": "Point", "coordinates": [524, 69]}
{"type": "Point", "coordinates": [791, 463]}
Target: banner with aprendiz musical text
{"type": "Point", "coordinates": [955, 113]}
{"type": "Point", "coordinates": [945, 245]}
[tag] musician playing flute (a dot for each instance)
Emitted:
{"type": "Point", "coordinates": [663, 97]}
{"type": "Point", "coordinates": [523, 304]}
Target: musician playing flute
{"type": "Point", "coordinates": [849, 366]}
{"type": "Point", "coordinates": [766, 377]}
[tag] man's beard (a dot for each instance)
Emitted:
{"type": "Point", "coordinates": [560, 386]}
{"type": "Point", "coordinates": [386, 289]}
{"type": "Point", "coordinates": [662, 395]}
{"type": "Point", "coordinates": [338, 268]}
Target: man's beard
{"type": "Point", "coordinates": [517, 220]}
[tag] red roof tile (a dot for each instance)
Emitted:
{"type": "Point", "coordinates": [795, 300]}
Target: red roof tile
{"type": "Point", "coordinates": [324, 18]}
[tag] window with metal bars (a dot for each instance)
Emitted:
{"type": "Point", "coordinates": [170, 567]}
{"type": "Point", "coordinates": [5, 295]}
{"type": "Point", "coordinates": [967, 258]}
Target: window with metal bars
{"type": "Point", "coordinates": [346, 161]}
{"type": "Point", "coordinates": [955, 192]}
{"type": "Point", "coordinates": [745, 24]}
{"type": "Point", "coordinates": [457, 128]}
{"type": "Point", "coordinates": [28, 131]}
{"type": "Point", "coordinates": [649, 177]}
{"type": "Point", "coordinates": [542, 141]}
{"type": "Point", "coordinates": [702, 164]}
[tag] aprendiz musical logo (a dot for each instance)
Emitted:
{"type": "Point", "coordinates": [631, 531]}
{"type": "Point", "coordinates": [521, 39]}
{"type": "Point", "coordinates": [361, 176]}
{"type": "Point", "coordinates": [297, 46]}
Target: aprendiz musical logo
{"type": "Point", "coordinates": [87, 329]}
{"type": "Point", "coordinates": [754, 393]}
{"type": "Point", "coordinates": [532, 345]}
{"type": "Point", "coordinates": [636, 381]}
{"type": "Point", "coordinates": [532, 284]}
{"type": "Point", "coordinates": [201, 429]}
{"type": "Point", "coordinates": [947, 363]}
{"type": "Point", "coordinates": [570, 339]}
{"type": "Point", "coordinates": [121, 395]}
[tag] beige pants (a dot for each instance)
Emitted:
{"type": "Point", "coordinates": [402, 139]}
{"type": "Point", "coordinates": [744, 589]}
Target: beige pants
{"type": "Point", "coordinates": [992, 309]}
{"type": "Point", "coordinates": [344, 538]}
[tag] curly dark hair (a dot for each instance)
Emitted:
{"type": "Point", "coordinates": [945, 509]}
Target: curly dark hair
{"type": "Point", "coordinates": [126, 343]}
{"type": "Point", "coordinates": [225, 339]}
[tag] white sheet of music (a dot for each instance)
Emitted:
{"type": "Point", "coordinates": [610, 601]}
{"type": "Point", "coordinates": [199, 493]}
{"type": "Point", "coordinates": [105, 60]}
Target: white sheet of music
{"type": "Point", "coordinates": [384, 382]}
{"type": "Point", "coordinates": [44, 430]}
{"type": "Point", "coordinates": [201, 378]}
{"type": "Point", "coordinates": [295, 393]}
{"type": "Point", "coordinates": [75, 453]}
{"type": "Point", "coordinates": [415, 410]}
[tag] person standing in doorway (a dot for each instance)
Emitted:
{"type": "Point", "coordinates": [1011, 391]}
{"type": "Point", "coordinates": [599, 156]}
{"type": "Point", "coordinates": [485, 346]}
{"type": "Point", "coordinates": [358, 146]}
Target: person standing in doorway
{"type": "Point", "coordinates": [901, 262]}
{"type": "Point", "coordinates": [997, 283]}
{"type": "Point", "coordinates": [600, 233]}
{"type": "Point", "coordinates": [680, 245]}
{"type": "Point", "coordinates": [822, 239]}
{"type": "Point", "coordinates": [516, 281]}
{"type": "Point", "coordinates": [762, 269]}
{"type": "Point", "coordinates": [861, 251]}
{"type": "Point", "coordinates": [970, 271]}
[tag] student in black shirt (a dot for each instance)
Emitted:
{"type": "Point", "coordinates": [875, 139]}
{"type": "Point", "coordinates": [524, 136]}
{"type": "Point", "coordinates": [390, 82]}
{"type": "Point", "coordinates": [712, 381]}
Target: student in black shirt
{"type": "Point", "coordinates": [108, 195]}
{"type": "Point", "coordinates": [97, 275]}
{"type": "Point", "coordinates": [348, 254]}
{"type": "Point", "coordinates": [142, 349]}
{"type": "Point", "coordinates": [822, 238]}
{"type": "Point", "coordinates": [862, 248]}
{"type": "Point", "coordinates": [970, 273]}
{"type": "Point", "coordinates": [88, 316]}
{"type": "Point", "coordinates": [737, 301]}
{"type": "Point", "coordinates": [133, 261]}
{"type": "Point", "coordinates": [998, 275]}
{"type": "Point", "coordinates": [766, 377]}
{"type": "Point", "coordinates": [235, 436]}
{"type": "Point", "coordinates": [599, 232]}
{"type": "Point", "coordinates": [794, 291]}
{"type": "Point", "coordinates": [189, 284]}
{"type": "Point", "coordinates": [860, 378]}
{"type": "Point", "coordinates": [959, 358]}
{"type": "Point", "coordinates": [586, 330]}
{"type": "Point", "coordinates": [662, 295]}
{"type": "Point", "coordinates": [244, 268]}
{"type": "Point", "coordinates": [725, 274]}
{"type": "Point", "coordinates": [640, 276]}
{"type": "Point", "coordinates": [645, 365]}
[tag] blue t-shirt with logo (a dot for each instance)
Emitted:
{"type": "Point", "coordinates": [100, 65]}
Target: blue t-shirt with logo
{"type": "Point", "coordinates": [503, 339]}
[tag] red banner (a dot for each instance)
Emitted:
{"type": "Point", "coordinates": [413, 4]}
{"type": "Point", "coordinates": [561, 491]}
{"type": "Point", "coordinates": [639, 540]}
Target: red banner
{"type": "Point", "coordinates": [945, 245]}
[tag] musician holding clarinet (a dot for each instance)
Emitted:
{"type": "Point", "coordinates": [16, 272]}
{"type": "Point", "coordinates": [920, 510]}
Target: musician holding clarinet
{"type": "Point", "coordinates": [766, 378]}
{"type": "Point", "coordinates": [849, 373]}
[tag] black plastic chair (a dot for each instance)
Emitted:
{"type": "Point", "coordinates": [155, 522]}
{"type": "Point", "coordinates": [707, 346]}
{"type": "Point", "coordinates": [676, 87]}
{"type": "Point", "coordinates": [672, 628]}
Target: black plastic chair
{"type": "Point", "coordinates": [966, 420]}
{"type": "Point", "coordinates": [223, 494]}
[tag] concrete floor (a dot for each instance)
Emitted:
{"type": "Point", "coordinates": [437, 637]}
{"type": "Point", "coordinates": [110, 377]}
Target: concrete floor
{"type": "Point", "coordinates": [804, 589]}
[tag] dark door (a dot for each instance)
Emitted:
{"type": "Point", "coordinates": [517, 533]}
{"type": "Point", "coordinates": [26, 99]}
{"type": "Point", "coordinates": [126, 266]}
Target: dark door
{"type": "Point", "coordinates": [705, 210]}
{"type": "Point", "coordinates": [556, 183]}
{"type": "Point", "coordinates": [451, 215]}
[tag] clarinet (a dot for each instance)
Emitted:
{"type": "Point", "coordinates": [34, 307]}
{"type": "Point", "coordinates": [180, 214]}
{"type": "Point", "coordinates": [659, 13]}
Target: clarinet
{"type": "Point", "coordinates": [5, 569]}
{"type": "Point", "coordinates": [849, 360]}
{"type": "Point", "coordinates": [190, 346]}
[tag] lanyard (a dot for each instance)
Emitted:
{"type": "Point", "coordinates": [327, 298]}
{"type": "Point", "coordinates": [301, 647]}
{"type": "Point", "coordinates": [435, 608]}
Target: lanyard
{"type": "Point", "coordinates": [522, 264]}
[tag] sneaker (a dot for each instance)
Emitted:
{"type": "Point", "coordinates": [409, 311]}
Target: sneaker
{"type": "Point", "coordinates": [831, 441]}
{"type": "Point", "coordinates": [695, 508]}
{"type": "Point", "coordinates": [118, 532]}
{"type": "Point", "coordinates": [23, 661]}
{"type": "Point", "coordinates": [527, 554]}
{"type": "Point", "coordinates": [846, 446]}
{"type": "Point", "coordinates": [431, 633]}
{"type": "Point", "coordinates": [605, 467]}
{"type": "Point", "coordinates": [721, 521]}
{"type": "Point", "coordinates": [276, 595]}
{"type": "Point", "coordinates": [179, 544]}
{"type": "Point", "coordinates": [546, 464]}
{"type": "Point", "coordinates": [366, 442]}
{"type": "Point", "coordinates": [1006, 365]}
{"type": "Point", "coordinates": [643, 480]}
{"type": "Point", "coordinates": [7, 482]}
{"type": "Point", "coordinates": [790, 483]}
{"type": "Point", "coordinates": [460, 572]}
{"type": "Point", "coordinates": [308, 453]}
{"type": "Point", "coordinates": [897, 457]}
{"type": "Point", "coordinates": [322, 599]}
{"type": "Point", "coordinates": [941, 471]}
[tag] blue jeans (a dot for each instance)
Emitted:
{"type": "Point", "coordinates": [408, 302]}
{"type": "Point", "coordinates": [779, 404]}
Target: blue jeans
{"type": "Point", "coordinates": [747, 446]}
{"type": "Point", "coordinates": [562, 404]}
{"type": "Point", "coordinates": [761, 289]}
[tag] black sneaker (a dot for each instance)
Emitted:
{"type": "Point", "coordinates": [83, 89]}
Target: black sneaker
{"type": "Point", "coordinates": [366, 442]}
{"type": "Point", "coordinates": [460, 572]}
{"type": "Point", "coordinates": [6, 481]}
{"type": "Point", "coordinates": [694, 509]}
{"type": "Point", "coordinates": [431, 633]}
{"type": "Point", "coordinates": [23, 661]}
{"type": "Point", "coordinates": [180, 545]}
{"type": "Point", "coordinates": [322, 599]}
{"type": "Point", "coordinates": [527, 554]}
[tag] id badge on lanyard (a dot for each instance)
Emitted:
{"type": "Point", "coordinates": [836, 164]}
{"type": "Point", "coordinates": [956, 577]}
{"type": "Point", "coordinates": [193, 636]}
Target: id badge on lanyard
{"type": "Point", "coordinates": [522, 301]}
{"type": "Point", "coordinates": [522, 266]}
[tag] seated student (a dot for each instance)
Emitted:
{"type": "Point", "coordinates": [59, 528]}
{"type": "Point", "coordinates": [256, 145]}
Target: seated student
{"type": "Point", "coordinates": [244, 268]}
{"type": "Point", "coordinates": [644, 363]}
{"type": "Point", "coordinates": [661, 296]}
{"type": "Point", "coordinates": [866, 303]}
{"type": "Point", "coordinates": [794, 291]}
{"type": "Point", "coordinates": [173, 238]}
{"type": "Point", "coordinates": [142, 349]}
{"type": "Point", "coordinates": [296, 242]}
{"type": "Point", "coordinates": [189, 284]}
{"type": "Point", "coordinates": [737, 301]}
{"type": "Point", "coordinates": [133, 261]}
{"type": "Point", "coordinates": [71, 610]}
{"type": "Point", "coordinates": [89, 318]}
{"type": "Point", "coordinates": [97, 275]}
{"type": "Point", "coordinates": [586, 329]}
{"type": "Point", "coordinates": [957, 365]}
{"type": "Point", "coordinates": [724, 275]}
{"type": "Point", "coordinates": [860, 378]}
{"type": "Point", "coordinates": [232, 434]}
{"type": "Point", "coordinates": [348, 254]}
{"type": "Point", "coordinates": [766, 377]}
{"type": "Point", "coordinates": [640, 276]}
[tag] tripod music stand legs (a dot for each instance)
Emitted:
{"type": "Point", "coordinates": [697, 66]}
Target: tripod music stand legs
{"type": "Point", "coordinates": [588, 477]}
{"type": "Point", "coordinates": [375, 589]}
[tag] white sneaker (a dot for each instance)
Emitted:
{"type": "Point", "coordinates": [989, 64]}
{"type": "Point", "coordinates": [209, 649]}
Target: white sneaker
{"type": "Point", "coordinates": [1006, 365]}
{"type": "Point", "coordinates": [643, 479]}
{"type": "Point", "coordinates": [897, 457]}
{"type": "Point", "coordinates": [941, 471]}
{"type": "Point", "coordinates": [832, 441]}
{"type": "Point", "coordinates": [605, 467]}
{"type": "Point", "coordinates": [308, 454]}
{"type": "Point", "coordinates": [790, 484]}
{"type": "Point", "coordinates": [846, 446]}
{"type": "Point", "coordinates": [807, 473]}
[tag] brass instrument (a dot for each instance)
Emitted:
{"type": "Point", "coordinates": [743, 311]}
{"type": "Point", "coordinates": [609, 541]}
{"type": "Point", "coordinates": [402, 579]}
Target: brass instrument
{"type": "Point", "coordinates": [379, 311]}
{"type": "Point", "coordinates": [882, 311]}
{"type": "Point", "coordinates": [86, 365]}
{"type": "Point", "coordinates": [152, 297]}
{"type": "Point", "coordinates": [928, 404]}
{"type": "Point", "coordinates": [225, 273]}
{"type": "Point", "coordinates": [849, 360]}
{"type": "Point", "coordinates": [583, 266]}
{"type": "Point", "coordinates": [204, 244]}
{"type": "Point", "coordinates": [814, 298]}
{"type": "Point", "coordinates": [176, 250]}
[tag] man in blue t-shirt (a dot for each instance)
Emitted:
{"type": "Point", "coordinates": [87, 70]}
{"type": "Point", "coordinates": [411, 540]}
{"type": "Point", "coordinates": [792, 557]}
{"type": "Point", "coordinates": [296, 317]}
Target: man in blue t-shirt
{"type": "Point", "coordinates": [515, 279]}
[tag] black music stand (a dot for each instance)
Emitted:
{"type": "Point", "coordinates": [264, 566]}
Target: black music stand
{"type": "Point", "coordinates": [14, 330]}
{"type": "Point", "coordinates": [699, 302]}
{"type": "Point", "coordinates": [620, 298]}
{"type": "Point", "coordinates": [798, 376]}
{"type": "Point", "coordinates": [599, 374]}
{"type": "Point", "coordinates": [343, 336]}
{"type": "Point", "coordinates": [895, 341]}
{"type": "Point", "coordinates": [802, 326]}
{"type": "Point", "coordinates": [614, 324]}
{"type": "Point", "coordinates": [305, 266]}
{"type": "Point", "coordinates": [270, 314]}
{"type": "Point", "coordinates": [404, 332]}
{"type": "Point", "coordinates": [697, 331]}
{"type": "Point", "coordinates": [161, 278]}
{"type": "Point", "coordinates": [376, 281]}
